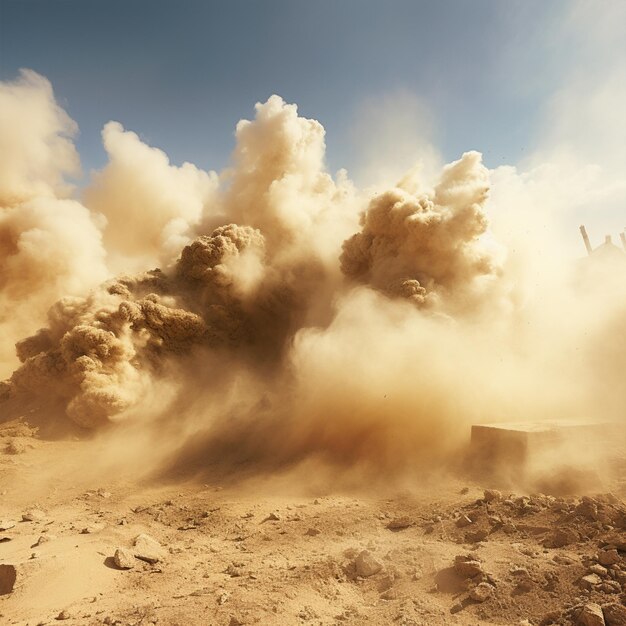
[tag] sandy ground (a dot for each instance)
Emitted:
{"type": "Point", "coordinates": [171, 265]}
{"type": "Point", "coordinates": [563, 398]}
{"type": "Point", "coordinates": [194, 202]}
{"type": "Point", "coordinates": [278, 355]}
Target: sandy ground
{"type": "Point", "coordinates": [446, 552]}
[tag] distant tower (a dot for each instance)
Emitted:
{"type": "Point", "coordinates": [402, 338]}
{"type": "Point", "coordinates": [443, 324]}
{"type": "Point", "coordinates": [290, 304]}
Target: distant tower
{"type": "Point", "coordinates": [583, 232]}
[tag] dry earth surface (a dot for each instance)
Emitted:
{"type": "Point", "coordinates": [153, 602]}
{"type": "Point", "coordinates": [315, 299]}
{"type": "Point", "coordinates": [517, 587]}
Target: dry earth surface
{"type": "Point", "coordinates": [452, 551]}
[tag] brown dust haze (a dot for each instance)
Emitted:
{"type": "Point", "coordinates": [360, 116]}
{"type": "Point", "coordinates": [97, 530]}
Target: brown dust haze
{"type": "Point", "coordinates": [272, 313]}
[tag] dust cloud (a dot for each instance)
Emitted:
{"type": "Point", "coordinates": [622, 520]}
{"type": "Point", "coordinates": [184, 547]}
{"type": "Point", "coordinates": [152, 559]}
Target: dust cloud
{"type": "Point", "coordinates": [294, 316]}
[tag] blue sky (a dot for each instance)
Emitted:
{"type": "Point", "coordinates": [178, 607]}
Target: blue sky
{"type": "Point", "coordinates": [182, 73]}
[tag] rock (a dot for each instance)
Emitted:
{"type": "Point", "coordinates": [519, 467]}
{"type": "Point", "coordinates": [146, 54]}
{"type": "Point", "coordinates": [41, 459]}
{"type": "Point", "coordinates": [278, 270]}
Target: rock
{"type": "Point", "coordinates": [608, 557]}
{"type": "Point", "coordinates": [614, 539]}
{"type": "Point", "coordinates": [482, 592]}
{"type": "Point", "coordinates": [148, 549]}
{"type": "Point", "coordinates": [8, 576]}
{"type": "Point", "coordinates": [467, 566]}
{"type": "Point", "coordinates": [272, 517]}
{"type": "Point", "coordinates": [63, 615]}
{"type": "Point", "coordinates": [614, 614]}
{"type": "Point", "coordinates": [560, 537]}
{"type": "Point", "coordinates": [43, 539]}
{"type": "Point", "coordinates": [366, 564]}
{"type": "Point", "coordinates": [233, 570]}
{"type": "Point", "coordinates": [476, 536]}
{"type": "Point", "coordinates": [599, 570]}
{"type": "Point", "coordinates": [33, 515]}
{"type": "Point", "coordinates": [464, 520]}
{"type": "Point", "coordinates": [124, 559]}
{"type": "Point", "coordinates": [16, 446]}
{"type": "Point", "coordinates": [609, 586]}
{"type": "Point", "coordinates": [562, 559]}
{"type": "Point", "coordinates": [400, 523]}
{"type": "Point", "coordinates": [92, 528]}
{"type": "Point", "coordinates": [6, 524]}
{"type": "Point", "coordinates": [312, 532]}
{"type": "Point", "coordinates": [590, 581]}
{"type": "Point", "coordinates": [491, 495]}
{"type": "Point", "coordinates": [591, 615]}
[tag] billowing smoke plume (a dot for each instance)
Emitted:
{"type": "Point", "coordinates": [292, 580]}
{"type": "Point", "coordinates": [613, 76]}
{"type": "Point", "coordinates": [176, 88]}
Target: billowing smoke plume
{"type": "Point", "coordinates": [425, 245]}
{"type": "Point", "coordinates": [292, 315]}
{"type": "Point", "coordinates": [50, 245]}
{"type": "Point", "coordinates": [150, 205]}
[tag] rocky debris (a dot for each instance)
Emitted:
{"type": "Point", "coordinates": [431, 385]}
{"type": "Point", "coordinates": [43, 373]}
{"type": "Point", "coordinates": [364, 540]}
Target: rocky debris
{"type": "Point", "coordinates": [523, 580]}
{"type": "Point", "coordinates": [272, 517]}
{"type": "Point", "coordinates": [16, 446]}
{"type": "Point", "coordinates": [491, 495]}
{"type": "Point", "coordinates": [591, 615]}
{"type": "Point", "coordinates": [33, 515]}
{"type": "Point", "coordinates": [614, 614]}
{"type": "Point", "coordinates": [91, 528]}
{"type": "Point", "coordinates": [608, 557]}
{"type": "Point", "coordinates": [312, 532]}
{"type": "Point", "coordinates": [482, 592]}
{"type": "Point", "coordinates": [463, 521]}
{"type": "Point", "coordinates": [6, 524]}
{"type": "Point", "coordinates": [560, 538]}
{"type": "Point", "coordinates": [590, 581]}
{"type": "Point", "coordinates": [148, 549]}
{"type": "Point", "coordinates": [599, 570]}
{"type": "Point", "coordinates": [467, 565]}
{"type": "Point", "coordinates": [563, 559]}
{"type": "Point", "coordinates": [124, 559]}
{"type": "Point", "coordinates": [43, 539]}
{"type": "Point", "coordinates": [63, 615]}
{"type": "Point", "coordinates": [366, 564]}
{"type": "Point", "coordinates": [476, 536]}
{"type": "Point", "coordinates": [400, 523]}
{"type": "Point", "coordinates": [8, 576]}
{"type": "Point", "coordinates": [234, 570]}
{"type": "Point", "coordinates": [615, 541]}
